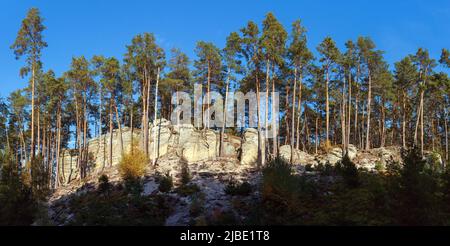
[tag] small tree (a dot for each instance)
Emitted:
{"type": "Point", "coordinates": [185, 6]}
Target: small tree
{"type": "Point", "coordinates": [133, 163]}
{"type": "Point", "coordinates": [349, 172]}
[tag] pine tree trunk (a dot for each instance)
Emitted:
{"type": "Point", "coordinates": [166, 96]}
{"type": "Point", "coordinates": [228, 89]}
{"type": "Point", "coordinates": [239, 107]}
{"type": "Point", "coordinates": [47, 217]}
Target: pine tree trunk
{"type": "Point", "coordinates": [274, 119]}
{"type": "Point", "coordinates": [421, 122]}
{"type": "Point", "coordinates": [132, 126]}
{"type": "Point", "coordinates": [33, 72]}
{"type": "Point", "coordinates": [446, 133]}
{"type": "Point", "coordinates": [297, 146]}
{"type": "Point", "coordinates": [266, 109]}
{"type": "Point", "coordinates": [369, 100]}
{"type": "Point", "coordinates": [156, 134]}
{"type": "Point", "coordinates": [38, 128]}
{"type": "Point", "coordinates": [208, 97]}
{"type": "Point", "coordinates": [349, 113]}
{"type": "Point", "coordinates": [261, 152]}
{"type": "Point", "coordinates": [404, 120]}
{"type": "Point", "coordinates": [222, 132]}
{"type": "Point", "coordinates": [58, 145]}
{"type": "Point", "coordinates": [293, 114]}
{"type": "Point", "coordinates": [119, 124]}
{"type": "Point", "coordinates": [110, 131]}
{"type": "Point", "coordinates": [343, 120]}
{"type": "Point", "coordinates": [327, 109]}
{"type": "Point", "coordinates": [317, 136]}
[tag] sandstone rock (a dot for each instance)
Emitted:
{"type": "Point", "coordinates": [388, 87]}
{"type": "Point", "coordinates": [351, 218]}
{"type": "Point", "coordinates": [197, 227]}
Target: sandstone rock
{"type": "Point", "coordinates": [352, 151]}
{"type": "Point", "coordinates": [299, 157]}
{"type": "Point", "coordinates": [162, 133]}
{"type": "Point", "coordinates": [332, 157]}
{"type": "Point", "coordinates": [201, 145]}
{"type": "Point", "coordinates": [249, 147]}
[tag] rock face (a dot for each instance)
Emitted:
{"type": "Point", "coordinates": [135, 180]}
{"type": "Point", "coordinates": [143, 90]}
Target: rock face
{"type": "Point", "coordinates": [299, 157]}
{"type": "Point", "coordinates": [164, 139]}
{"type": "Point", "coordinates": [369, 159]}
{"type": "Point", "coordinates": [249, 147]}
{"type": "Point", "coordinates": [335, 155]}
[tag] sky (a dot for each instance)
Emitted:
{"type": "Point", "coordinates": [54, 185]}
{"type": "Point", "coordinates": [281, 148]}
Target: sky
{"type": "Point", "coordinates": [96, 27]}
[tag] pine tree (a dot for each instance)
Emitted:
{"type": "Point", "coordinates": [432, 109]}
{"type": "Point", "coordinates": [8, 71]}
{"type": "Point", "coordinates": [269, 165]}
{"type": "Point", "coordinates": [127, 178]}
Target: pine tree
{"type": "Point", "coordinates": [330, 55]}
{"type": "Point", "coordinates": [29, 43]}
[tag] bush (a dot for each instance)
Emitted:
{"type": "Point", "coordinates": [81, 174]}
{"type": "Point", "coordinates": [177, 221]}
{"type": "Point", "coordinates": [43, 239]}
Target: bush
{"type": "Point", "coordinates": [40, 178]}
{"type": "Point", "coordinates": [165, 182]}
{"type": "Point", "coordinates": [309, 168]}
{"type": "Point", "coordinates": [349, 172]}
{"type": "Point", "coordinates": [279, 186]}
{"type": "Point", "coordinates": [104, 186]}
{"type": "Point", "coordinates": [197, 204]}
{"type": "Point", "coordinates": [119, 209]}
{"type": "Point", "coordinates": [417, 192]}
{"type": "Point", "coordinates": [185, 173]}
{"type": "Point", "coordinates": [326, 169]}
{"type": "Point", "coordinates": [187, 190]}
{"type": "Point", "coordinates": [326, 146]}
{"type": "Point", "coordinates": [379, 166]}
{"type": "Point", "coordinates": [17, 204]}
{"type": "Point", "coordinates": [235, 189]}
{"type": "Point", "coordinates": [133, 164]}
{"type": "Point", "coordinates": [134, 186]}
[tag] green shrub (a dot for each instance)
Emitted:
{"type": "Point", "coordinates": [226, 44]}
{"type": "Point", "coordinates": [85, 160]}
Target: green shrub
{"type": "Point", "coordinates": [347, 169]}
{"type": "Point", "coordinates": [165, 182]}
{"type": "Point", "coordinates": [188, 189]}
{"type": "Point", "coordinates": [309, 168]}
{"type": "Point", "coordinates": [104, 186]}
{"type": "Point", "coordinates": [197, 204]}
{"type": "Point", "coordinates": [17, 204]}
{"type": "Point", "coordinates": [417, 191]}
{"type": "Point", "coordinates": [279, 186]}
{"type": "Point", "coordinates": [185, 173]}
{"type": "Point", "coordinates": [119, 209]}
{"type": "Point", "coordinates": [235, 189]}
{"type": "Point", "coordinates": [379, 166]}
{"type": "Point", "coordinates": [134, 186]}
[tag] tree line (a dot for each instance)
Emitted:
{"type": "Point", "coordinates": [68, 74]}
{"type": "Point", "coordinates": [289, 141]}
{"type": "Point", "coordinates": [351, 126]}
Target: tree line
{"type": "Point", "coordinates": [328, 97]}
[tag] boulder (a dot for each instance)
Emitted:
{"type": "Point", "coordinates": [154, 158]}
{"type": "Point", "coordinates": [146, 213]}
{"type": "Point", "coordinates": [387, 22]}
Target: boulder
{"type": "Point", "coordinates": [249, 148]}
{"type": "Point", "coordinates": [299, 157]}
{"type": "Point", "coordinates": [335, 155]}
{"type": "Point", "coordinates": [332, 157]}
{"type": "Point", "coordinates": [201, 146]}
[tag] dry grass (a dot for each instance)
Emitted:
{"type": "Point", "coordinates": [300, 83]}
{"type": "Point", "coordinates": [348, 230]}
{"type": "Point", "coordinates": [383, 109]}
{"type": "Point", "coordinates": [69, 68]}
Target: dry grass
{"type": "Point", "coordinates": [133, 164]}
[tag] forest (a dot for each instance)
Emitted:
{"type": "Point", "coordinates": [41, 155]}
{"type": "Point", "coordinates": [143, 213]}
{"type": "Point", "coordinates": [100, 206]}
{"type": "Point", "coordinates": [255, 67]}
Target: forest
{"type": "Point", "coordinates": [328, 97]}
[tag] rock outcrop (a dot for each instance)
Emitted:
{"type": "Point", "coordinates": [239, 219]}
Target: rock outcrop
{"type": "Point", "coordinates": [299, 157]}
{"type": "Point", "coordinates": [182, 141]}
{"type": "Point", "coordinates": [249, 147]}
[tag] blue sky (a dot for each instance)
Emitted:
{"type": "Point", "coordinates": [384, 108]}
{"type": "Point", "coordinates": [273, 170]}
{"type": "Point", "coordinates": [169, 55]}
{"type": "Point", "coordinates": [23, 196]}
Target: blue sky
{"type": "Point", "coordinates": [83, 27]}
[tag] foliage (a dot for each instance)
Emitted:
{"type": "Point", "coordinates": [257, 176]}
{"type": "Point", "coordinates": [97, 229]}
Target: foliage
{"type": "Point", "coordinates": [238, 189]}
{"type": "Point", "coordinates": [185, 173]}
{"type": "Point", "coordinates": [197, 204]}
{"type": "Point", "coordinates": [133, 164]}
{"type": "Point", "coordinates": [347, 169]}
{"type": "Point", "coordinates": [119, 209]}
{"type": "Point", "coordinates": [165, 182]}
{"type": "Point", "coordinates": [18, 207]}
{"type": "Point", "coordinates": [410, 195]}
{"type": "Point", "coordinates": [104, 186]}
{"type": "Point", "coordinates": [188, 189]}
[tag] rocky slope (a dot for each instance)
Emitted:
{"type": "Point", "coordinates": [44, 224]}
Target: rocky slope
{"type": "Point", "coordinates": [211, 174]}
